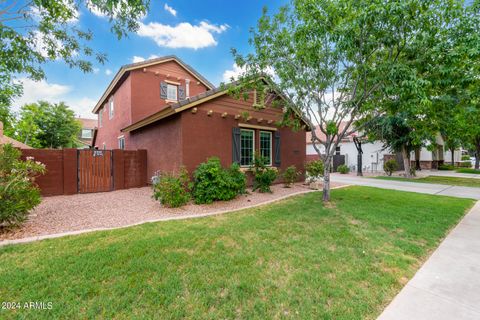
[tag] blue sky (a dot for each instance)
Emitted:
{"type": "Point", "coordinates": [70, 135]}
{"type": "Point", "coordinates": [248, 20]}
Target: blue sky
{"type": "Point", "coordinates": [201, 33]}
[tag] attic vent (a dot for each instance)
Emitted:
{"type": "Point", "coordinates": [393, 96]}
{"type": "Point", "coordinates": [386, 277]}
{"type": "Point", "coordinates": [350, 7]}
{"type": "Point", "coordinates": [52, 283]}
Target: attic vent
{"type": "Point", "coordinates": [259, 98]}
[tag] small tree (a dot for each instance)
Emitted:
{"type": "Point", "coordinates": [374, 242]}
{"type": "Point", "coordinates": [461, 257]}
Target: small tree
{"type": "Point", "coordinates": [46, 125]}
{"type": "Point", "coordinates": [18, 193]}
{"type": "Point", "coordinates": [329, 58]}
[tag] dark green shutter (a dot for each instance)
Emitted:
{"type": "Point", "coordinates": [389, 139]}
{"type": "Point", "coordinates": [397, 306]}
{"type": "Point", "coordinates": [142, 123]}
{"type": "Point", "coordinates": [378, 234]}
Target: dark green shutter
{"type": "Point", "coordinates": [277, 161]}
{"type": "Point", "coordinates": [236, 145]}
{"type": "Point", "coordinates": [181, 93]}
{"type": "Point", "coordinates": [163, 90]}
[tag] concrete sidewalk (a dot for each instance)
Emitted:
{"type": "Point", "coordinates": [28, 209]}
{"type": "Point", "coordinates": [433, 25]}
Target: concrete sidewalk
{"type": "Point", "coordinates": [429, 188]}
{"type": "Point", "coordinates": [447, 286]}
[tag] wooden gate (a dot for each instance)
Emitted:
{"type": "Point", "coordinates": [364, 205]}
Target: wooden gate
{"type": "Point", "coordinates": [95, 170]}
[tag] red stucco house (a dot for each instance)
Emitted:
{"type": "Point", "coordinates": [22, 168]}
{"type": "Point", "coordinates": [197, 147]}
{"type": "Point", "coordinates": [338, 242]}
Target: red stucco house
{"type": "Point", "coordinates": [166, 107]}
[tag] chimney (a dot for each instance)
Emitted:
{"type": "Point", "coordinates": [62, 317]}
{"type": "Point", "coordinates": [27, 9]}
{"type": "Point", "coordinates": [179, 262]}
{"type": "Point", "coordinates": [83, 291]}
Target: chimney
{"type": "Point", "coordinates": [1, 129]}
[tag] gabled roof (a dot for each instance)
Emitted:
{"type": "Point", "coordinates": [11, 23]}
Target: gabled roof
{"type": "Point", "coordinates": [88, 123]}
{"type": "Point", "coordinates": [124, 71]}
{"type": "Point", "coordinates": [183, 105]}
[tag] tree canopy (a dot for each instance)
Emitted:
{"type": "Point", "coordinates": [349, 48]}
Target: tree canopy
{"type": "Point", "coordinates": [46, 125]}
{"type": "Point", "coordinates": [33, 32]}
{"type": "Point", "coordinates": [332, 57]}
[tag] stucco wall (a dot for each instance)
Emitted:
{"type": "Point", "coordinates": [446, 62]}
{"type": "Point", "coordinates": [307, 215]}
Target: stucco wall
{"type": "Point", "coordinates": [204, 136]}
{"type": "Point", "coordinates": [109, 132]}
{"type": "Point", "coordinates": [163, 142]}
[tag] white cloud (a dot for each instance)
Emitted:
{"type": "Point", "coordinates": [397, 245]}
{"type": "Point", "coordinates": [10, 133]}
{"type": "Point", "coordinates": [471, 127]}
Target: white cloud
{"type": "Point", "coordinates": [96, 70]}
{"type": "Point", "coordinates": [108, 72]}
{"type": "Point", "coordinates": [234, 73]}
{"type": "Point", "coordinates": [183, 35]}
{"type": "Point", "coordinates": [172, 11]}
{"type": "Point", "coordinates": [136, 59]}
{"type": "Point", "coordinates": [237, 71]}
{"type": "Point", "coordinates": [34, 91]}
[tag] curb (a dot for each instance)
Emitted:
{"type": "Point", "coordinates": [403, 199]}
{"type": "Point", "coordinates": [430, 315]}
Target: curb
{"type": "Point", "coordinates": [192, 216]}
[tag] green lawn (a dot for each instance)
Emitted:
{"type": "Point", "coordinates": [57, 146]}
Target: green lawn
{"type": "Point", "coordinates": [454, 181]}
{"type": "Point", "coordinates": [292, 259]}
{"type": "Point", "coordinates": [468, 170]}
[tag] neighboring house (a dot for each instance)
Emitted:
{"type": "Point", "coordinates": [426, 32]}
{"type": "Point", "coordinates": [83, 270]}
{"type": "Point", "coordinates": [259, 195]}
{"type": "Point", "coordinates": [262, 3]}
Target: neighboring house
{"type": "Point", "coordinates": [4, 140]}
{"type": "Point", "coordinates": [86, 134]}
{"type": "Point", "coordinates": [374, 153]}
{"type": "Point", "coordinates": [166, 107]}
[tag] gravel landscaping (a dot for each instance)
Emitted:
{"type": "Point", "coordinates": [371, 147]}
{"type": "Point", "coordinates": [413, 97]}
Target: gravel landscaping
{"type": "Point", "coordinates": [122, 208]}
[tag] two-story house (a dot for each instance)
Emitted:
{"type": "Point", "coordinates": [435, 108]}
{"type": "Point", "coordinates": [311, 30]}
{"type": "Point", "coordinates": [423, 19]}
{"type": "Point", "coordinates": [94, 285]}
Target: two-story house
{"type": "Point", "coordinates": [164, 106]}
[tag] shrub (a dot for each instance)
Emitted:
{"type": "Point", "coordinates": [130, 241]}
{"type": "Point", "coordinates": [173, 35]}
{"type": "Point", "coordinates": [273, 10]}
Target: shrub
{"type": "Point", "coordinates": [343, 169]}
{"type": "Point", "coordinates": [170, 189]}
{"type": "Point", "coordinates": [465, 164]}
{"type": "Point", "coordinates": [446, 167]}
{"type": "Point", "coordinates": [465, 157]}
{"type": "Point", "coordinates": [263, 176]}
{"type": "Point", "coordinates": [290, 175]}
{"type": "Point", "coordinates": [314, 170]}
{"type": "Point", "coordinates": [18, 192]}
{"type": "Point", "coordinates": [390, 167]}
{"type": "Point", "coordinates": [212, 182]}
{"type": "Point", "coordinates": [468, 170]}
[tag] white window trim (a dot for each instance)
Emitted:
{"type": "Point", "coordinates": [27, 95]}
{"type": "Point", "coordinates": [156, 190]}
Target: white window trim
{"type": "Point", "coordinates": [104, 146]}
{"type": "Point", "coordinates": [111, 111]}
{"type": "Point", "coordinates": [176, 92]}
{"type": "Point", "coordinates": [122, 137]}
{"type": "Point", "coordinates": [253, 147]}
{"type": "Point", "coordinates": [89, 131]}
{"type": "Point", "coordinates": [269, 164]}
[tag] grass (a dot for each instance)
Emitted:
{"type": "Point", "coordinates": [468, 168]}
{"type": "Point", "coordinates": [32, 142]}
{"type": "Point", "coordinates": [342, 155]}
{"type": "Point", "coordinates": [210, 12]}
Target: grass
{"type": "Point", "coordinates": [293, 259]}
{"type": "Point", "coordinates": [468, 170]}
{"type": "Point", "coordinates": [454, 181]}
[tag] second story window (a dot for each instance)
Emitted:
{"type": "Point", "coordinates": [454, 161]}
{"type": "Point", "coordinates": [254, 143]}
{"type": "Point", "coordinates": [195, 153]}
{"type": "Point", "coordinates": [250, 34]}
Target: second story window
{"type": "Point", "coordinates": [172, 92]}
{"type": "Point", "coordinates": [111, 109]}
{"type": "Point", "coordinates": [86, 134]}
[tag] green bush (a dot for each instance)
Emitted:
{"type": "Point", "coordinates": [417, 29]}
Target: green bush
{"type": "Point", "coordinates": [18, 192]}
{"type": "Point", "coordinates": [170, 189]}
{"type": "Point", "coordinates": [465, 157]}
{"type": "Point", "coordinates": [468, 170]}
{"type": "Point", "coordinates": [263, 176]}
{"type": "Point", "coordinates": [465, 164]}
{"type": "Point", "coordinates": [290, 175]}
{"type": "Point", "coordinates": [212, 182]}
{"type": "Point", "coordinates": [390, 167]}
{"type": "Point", "coordinates": [343, 169]}
{"type": "Point", "coordinates": [314, 170]}
{"type": "Point", "coordinates": [413, 171]}
{"type": "Point", "coordinates": [446, 167]}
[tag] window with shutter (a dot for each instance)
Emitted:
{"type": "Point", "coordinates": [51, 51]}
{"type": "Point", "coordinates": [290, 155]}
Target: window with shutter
{"type": "Point", "coordinates": [266, 146]}
{"type": "Point", "coordinates": [247, 147]}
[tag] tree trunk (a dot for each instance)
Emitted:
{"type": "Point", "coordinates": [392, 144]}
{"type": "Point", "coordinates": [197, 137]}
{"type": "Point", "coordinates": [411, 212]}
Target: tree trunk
{"type": "Point", "coordinates": [406, 162]}
{"type": "Point", "coordinates": [417, 159]}
{"type": "Point", "coordinates": [326, 180]}
{"type": "Point", "coordinates": [477, 156]}
{"type": "Point", "coordinates": [452, 150]}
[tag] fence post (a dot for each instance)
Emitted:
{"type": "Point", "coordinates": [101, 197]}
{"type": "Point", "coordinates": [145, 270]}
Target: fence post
{"type": "Point", "coordinates": [142, 160]}
{"type": "Point", "coordinates": [70, 181]}
{"type": "Point", "coordinates": [118, 170]}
